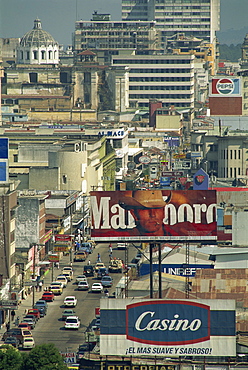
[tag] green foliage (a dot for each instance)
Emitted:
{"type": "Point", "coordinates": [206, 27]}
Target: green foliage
{"type": "Point", "coordinates": [10, 358]}
{"type": "Point", "coordinates": [231, 52]}
{"type": "Point", "coordinates": [44, 357]}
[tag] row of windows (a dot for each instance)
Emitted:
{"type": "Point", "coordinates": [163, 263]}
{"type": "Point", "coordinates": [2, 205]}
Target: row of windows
{"type": "Point", "coordinates": [160, 70]}
{"type": "Point", "coordinates": [165, 105]}
{"type": "Point", "coordinates": [159, 79]}
{"type": "Point", "coordinates": [35, 54]}
{"type": "Point", "coordinates": [159, 88]}
{"type": "Point", "coordinates": [190, 25]}
{"type": "Point", "coordinates": [183, 1]}
{"type": "Point", "coordinates": [231, 154]}
{"type": "Point", "coordinates": [117, 33]}
{"type": "Point", "coordinates": [160, 96]}
{"type": "Point", "coordinates": [232, 172]}
{"type": "Point", "coordinates": [151, 61]}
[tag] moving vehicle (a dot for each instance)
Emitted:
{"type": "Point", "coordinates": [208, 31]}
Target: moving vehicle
{"type": "Point", "coordinates": [62, 279]}
{"type": "Point", "coordinates": [86, 247]}
{"type": "Point", "coordinates": [42, 303]}
{"type": "Point", "coordinates": [24, 325]}
{"type": "Point", "coordinates": [13, 341]}
{"type": "Point", "coordinates": [48, 296]}
{"type": "Point", "coordinates": [28, 343]}
{"type": "Point", "coordinates": [70, 301]}
{"type": "Point", "coordinates": [72, 322]}
{"type": "Point", "coordinates": [80, 256]}
{"type": "Point", "coordinates": [42, 309]}
{"type": "Point", "coordinates": [83, 285]}
{"type": "Point", "coordinates": [68, 269]}
{"type": "Point", "coordinates": [56, 288]}
{"type": "Point", "coordinates": [115, 265]}
{"type": "Point", "coordinates": [67, 313]}
{"type": "Point", "coordinates": [102, 271]}
{"type": "Point", "coordinates": [107, 281]}
{"type": "Point", "coordinates": [88, 270]}
{"type": "Point", "coordinates": [31, 316]}
{"type": "Point", "coordinates": [99, 265]}
{"type": "Point", "coordinates": [81, 278]}
{"type": "Point", "coordinates": [97, 288]}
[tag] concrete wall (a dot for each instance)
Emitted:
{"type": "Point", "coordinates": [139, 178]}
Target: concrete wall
{"type": "Point", "coordinates": [27, 222]}
{"type": "Point", "coordinates": [43, 178]}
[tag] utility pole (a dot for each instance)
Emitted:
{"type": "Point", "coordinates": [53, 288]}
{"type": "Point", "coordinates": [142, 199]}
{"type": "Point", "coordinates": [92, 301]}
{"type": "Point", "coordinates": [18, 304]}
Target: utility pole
{"type": "Point", "coordinates": [33, 275]}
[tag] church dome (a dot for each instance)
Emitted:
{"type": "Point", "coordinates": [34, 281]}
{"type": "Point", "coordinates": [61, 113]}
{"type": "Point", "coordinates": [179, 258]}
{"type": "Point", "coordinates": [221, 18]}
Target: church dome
{"type": "Point", "coordinates": [37, 36]}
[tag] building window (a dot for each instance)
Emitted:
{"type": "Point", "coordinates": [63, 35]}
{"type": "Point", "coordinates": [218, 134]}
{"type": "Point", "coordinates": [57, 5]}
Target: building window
{"type": "Point", "coordinates": [231, 172]}
{"type": "Point", "coordinates": [239, 154]}
{"type": "Point", "coordinates": [33, 77]}
{"type": "Point", "coordinates": [35, 54]}
{"type": "Point", "coordinates": [27, 55]}
{"type": "Point", "coordinates": [50, 54]}
{"type": "Point", "coordinates": [231, 157]}
{"type": "Point", "coordinates": [64, 179]}
{"type": "Point", "coordinates": [43, 54]}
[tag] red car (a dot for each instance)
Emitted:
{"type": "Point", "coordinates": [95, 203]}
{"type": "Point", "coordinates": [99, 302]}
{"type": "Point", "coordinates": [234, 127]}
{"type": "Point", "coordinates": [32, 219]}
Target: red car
{"type": "Point", "coordinates": [35, 312]}
{"type": "Point", "coordinates": [48, 296]}
{"type": "Point", "coordinates": [24, 325]}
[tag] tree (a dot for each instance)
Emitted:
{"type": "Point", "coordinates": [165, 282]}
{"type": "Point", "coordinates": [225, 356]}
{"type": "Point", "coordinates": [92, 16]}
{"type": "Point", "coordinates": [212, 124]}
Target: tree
{"type": "Point", "coordinates": [44, 357]}
{"type": "Point", "coordinates": [10, 358]}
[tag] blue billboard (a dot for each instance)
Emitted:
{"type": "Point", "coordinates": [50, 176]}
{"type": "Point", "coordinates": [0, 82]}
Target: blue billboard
{"type": "Point", "coordinates": [174, 269]}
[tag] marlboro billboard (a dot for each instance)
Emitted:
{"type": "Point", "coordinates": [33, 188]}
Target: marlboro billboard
{"type": "Point", "coordinates": [154, 215]}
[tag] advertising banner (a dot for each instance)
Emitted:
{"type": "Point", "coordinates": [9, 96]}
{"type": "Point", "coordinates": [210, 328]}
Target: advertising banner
{"type": "Point", "coordinates": [174, 269]}
{"type": "Point", "coordinates": [225, 87]}
{"type": "Point", "coordinates": [135, 327]}
{"type": "Point", "coordinates": [63, 238]}
{"type": "Point", "coordinates": [153, 215]}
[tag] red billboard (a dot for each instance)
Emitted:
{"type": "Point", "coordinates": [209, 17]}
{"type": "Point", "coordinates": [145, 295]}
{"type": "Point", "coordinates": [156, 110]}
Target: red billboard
{"type": "Point", "coordinates": [63, 238]}
{"type": "Point", "coordinates": [153, 215]}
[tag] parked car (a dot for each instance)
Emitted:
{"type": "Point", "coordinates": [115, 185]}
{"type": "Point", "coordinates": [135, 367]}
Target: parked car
{"type": "Point", "coordinates": [83, 285]}
{"type": "Point", "coordinates": [25, 325]}
{"type": "Point", "coordinates": [70, 301]}
{"type": "Point", "coordinates": [13, 341]}
{"type": "Point", "coordinates": [42, 310]}
{"type": "Point", "coordinates": [97, 288]}
{"type": "Point", "coordinates": [88, 270]}
{"type": "Point", "coordinates": [31, 316]}
{"type": "Point", "coordinates": [42, 303]}
{"type": "Point", "coordinates": [17, 333]}
{"type": "Point", "coordinates": [30, 321]}
{"type": "Point", "coordinates": [72, 322]}
{"type": "Point", "coordinates": [107, 281]}
{"type": "Point", "coordinates": [83, 348]}
{"type": "Point", "coordinates": [35, 312]}
{"type": "Point", "coordinates": [102, 271]}
{"type": "Point", "coordinates": [68, 312]}
{"type": "Point", "coordinates": [48, 296]}
{"type": "Point", "coordinates": [28, 343]}
{"type": "Point", "coordinates": [81, 278]}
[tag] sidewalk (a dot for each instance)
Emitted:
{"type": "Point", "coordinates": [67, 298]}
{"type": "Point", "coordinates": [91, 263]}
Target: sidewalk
{"type": "Point", "coordinates": [26, 304]}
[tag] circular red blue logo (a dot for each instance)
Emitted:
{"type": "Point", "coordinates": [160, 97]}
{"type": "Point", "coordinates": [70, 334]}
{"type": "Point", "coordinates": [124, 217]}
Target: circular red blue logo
{"type": "Point", "coordinates": [225, 86]}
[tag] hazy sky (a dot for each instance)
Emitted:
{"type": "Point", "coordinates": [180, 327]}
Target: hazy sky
{"type": "Point", "coordinates": [58, 16]}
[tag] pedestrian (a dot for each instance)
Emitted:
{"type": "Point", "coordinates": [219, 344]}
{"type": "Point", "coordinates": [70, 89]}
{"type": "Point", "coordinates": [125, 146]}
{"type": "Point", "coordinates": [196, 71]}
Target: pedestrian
{"type": "Point", "coordinates": [7, 325]}
{"type": "Point", "coordinates": [98, 257]}
{"type": "Point", "coordinates": [89, 262]}
{"type": "Point", "coordinates": [12, 315]}
{"type": "Point", "coordinates": [40, 285]}
{"type": "Point", "coordinates": [110, 255]}
{"type": "Point", "coordinates": [110, 248]}
{"type": "Point", "coordinates": [17, 321]}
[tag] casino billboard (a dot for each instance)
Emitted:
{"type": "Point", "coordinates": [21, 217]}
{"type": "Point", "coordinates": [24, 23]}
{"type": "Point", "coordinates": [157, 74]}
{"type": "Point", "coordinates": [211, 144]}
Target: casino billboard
{"type": "Point", "coordinates": [153, 215]}
{"type": "Point", "coordinates": [135, 327]}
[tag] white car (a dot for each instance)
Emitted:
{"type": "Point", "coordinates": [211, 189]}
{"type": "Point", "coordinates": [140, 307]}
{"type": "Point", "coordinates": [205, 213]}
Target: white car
{"type": "Point", "coordinates": [72, 322]}
{"type": "Point", "coordinates": [62, 279]}
{"type": "Point", "coordinates": [97, 288]}
{"type": "Point", "coordinates": [70, 301]}
{"type": "Point", "coordinates": [68, 269]}
{"type": "Point", "coordinates": [28, 342]}
{"type": "Point", "coordinates": [81, 278]}
{"type": "Point", "coordinates": [83, 285]}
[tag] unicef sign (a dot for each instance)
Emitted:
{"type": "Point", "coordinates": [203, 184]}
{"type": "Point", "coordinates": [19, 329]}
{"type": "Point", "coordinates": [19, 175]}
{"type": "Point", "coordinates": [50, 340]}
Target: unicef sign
{"type": "Point", "coordinates": [225, 86]}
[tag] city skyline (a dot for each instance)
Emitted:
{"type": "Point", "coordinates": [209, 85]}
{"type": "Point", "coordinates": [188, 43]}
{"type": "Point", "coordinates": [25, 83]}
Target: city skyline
{"type": "Point", "coordinates": [62, 14]}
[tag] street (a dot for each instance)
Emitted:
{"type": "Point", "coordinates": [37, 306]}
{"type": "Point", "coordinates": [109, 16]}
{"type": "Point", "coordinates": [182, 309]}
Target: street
{"type": "Point", "coordinates": [50, 329]}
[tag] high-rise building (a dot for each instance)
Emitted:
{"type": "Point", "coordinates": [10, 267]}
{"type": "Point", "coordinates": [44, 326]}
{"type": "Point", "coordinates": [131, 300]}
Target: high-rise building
{"type": "Point", "coordinates": [198, 18]}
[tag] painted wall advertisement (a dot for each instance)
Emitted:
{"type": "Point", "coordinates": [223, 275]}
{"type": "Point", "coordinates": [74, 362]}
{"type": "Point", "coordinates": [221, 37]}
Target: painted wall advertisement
{"type": "Point", "coordinates": [154, 215]}
{"type": "Point", "coordinates": [135, 327]}
{"type": "Point", "coordinates": [225, 87]}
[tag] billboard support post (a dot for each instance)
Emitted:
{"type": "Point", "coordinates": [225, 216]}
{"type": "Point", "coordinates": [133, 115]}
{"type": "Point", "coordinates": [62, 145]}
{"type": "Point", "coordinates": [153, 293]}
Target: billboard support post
{"type": "Point", "coordinates": [151, 271]}
{"type": "Point", "coordinates": [159, 272]}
